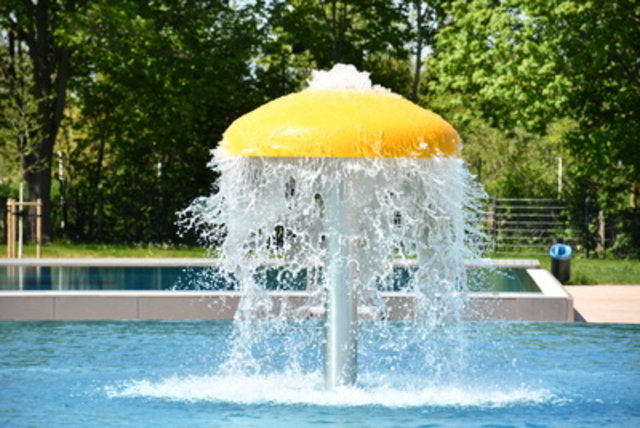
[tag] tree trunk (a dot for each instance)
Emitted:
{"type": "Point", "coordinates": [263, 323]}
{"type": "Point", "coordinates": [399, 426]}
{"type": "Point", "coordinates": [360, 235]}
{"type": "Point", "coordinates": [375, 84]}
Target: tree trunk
{"type": "Point", "coordinates": [96, 205]}
{"type": "Point", "coordinates": [51, 63]}
{"type": "Point", "coordinates": [39, 186]}
{"type": "Point", "coordinates": [418, 59]}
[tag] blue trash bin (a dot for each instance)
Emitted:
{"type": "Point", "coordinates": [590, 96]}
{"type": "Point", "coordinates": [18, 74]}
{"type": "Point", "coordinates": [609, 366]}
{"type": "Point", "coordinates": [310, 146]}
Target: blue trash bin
{"type": "Point", "coordinates": [561, 261]}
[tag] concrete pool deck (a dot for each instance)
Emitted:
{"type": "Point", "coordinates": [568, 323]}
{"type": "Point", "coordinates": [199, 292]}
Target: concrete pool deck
{"type": "Point", "coordinates": [592, 303]}
{"type": "Point", "coordinates": [606, 303]}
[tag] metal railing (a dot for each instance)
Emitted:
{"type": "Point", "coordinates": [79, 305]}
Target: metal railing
{"type": "Point", "coordinates": [526, 225]}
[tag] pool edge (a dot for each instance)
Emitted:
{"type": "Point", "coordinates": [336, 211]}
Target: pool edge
{"type": "Point", "coordinates": [553, 303]}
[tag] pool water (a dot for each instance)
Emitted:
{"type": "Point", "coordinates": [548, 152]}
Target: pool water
{"type": "Point", "coordinates": [97, 277]}
{"type": "Point", "coordinates": [131, 374]}
{"type": "Point", "coordinates": [209, 278]}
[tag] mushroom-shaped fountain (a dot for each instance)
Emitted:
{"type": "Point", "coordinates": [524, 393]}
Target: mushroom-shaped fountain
{"type": "Point", "coordinates": [344, 176]}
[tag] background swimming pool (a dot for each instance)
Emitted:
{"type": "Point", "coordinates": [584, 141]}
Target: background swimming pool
{"type": "Point", "coordinates": [189, 278]}
{"type": "Point", "coordinates": [132, 374]}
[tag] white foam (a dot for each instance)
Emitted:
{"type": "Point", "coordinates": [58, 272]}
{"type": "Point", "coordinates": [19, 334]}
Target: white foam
{"type": "Point", "coordinates": [342, 77]}
{"type": "Point", "coordinates": [287, 389]}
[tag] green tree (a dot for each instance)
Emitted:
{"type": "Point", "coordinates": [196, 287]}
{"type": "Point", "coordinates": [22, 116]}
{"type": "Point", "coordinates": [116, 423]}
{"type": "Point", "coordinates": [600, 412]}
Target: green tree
{"type": "Point", "coordinates": [371, 34]}
{"type": "Point", "coordinates": [526, 64]}
{"type": "Point", "coordinates": [424, 19]}
{"type": "Point", "coordinates": [158, 84]}
{"type": "Point", "coordinates": [34, 27]}
{"type": "Point", "coordinates": [19, 120]}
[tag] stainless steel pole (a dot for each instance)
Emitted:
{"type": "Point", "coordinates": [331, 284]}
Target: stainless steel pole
{"type": "Point", "coordinates": [341, 307]}
{"type": "Point", "coordinates": [11, 228]}
{"type": "Point", "coordinates": [21, 222]}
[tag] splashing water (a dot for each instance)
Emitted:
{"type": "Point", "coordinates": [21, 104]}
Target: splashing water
{"type": "Point", "coordinates": [293, 389]}
{"type": "Point", "coordinates": [280, 212]}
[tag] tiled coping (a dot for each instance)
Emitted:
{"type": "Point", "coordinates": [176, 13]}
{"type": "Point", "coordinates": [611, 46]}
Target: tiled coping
{"type": "Point", "coordinates": [552, 304]}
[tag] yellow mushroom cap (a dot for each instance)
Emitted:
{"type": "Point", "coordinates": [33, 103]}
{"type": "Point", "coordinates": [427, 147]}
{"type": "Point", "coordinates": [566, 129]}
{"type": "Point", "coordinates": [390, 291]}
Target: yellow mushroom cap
{"type": "Point", "coordinates": [341, 124]}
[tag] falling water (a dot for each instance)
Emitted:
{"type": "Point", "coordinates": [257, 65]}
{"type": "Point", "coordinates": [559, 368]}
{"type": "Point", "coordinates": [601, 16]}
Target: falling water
{"type": "Point", "coordinates": [267, 212]}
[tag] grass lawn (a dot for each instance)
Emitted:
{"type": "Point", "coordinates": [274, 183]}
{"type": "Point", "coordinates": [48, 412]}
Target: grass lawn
{"type": "Point", "coordinates": [594, 271]}
{"type": "Point", "coordinates": [603, 271]}
{"type": "Point", "coordinates": [59, 250]}
{"type": "Point", "coordinates": [583, 271]}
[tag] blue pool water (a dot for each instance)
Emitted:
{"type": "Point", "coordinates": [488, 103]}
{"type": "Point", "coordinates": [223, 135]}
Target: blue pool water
{"type": "Point", "coordinates": [134, 374]}
{"type": "Point", "coordinates": [182, 278]}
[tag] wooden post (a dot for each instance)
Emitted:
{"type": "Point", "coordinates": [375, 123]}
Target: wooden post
{"type": "Point", "coordinates": [12, 221]}
{"type": "Point", "coordinates": [586, 234]}
{"type": "Point", "coordinates": [38, 227]}
{"type": "Point", "coordinates": [601, 249]}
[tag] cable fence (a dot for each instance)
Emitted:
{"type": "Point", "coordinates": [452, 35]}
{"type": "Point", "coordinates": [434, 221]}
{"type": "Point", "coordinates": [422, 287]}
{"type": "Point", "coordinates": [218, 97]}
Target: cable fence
{"type": "Point", "coordinates": [529, 226]}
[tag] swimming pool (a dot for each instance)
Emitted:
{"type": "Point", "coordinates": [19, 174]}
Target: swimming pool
{"type": "Point", "coordinates": [52, 277]}
{"type": "Point", "coordinates": [188, 289]}
{"type": "Point", "coordinates": [130, 374]}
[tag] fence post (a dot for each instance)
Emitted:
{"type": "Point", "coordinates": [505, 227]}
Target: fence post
{"type": "Point", "coordinates": [494, 222]}
{"type": "Point", "coordinates": [491, 221]}
{"type": "Point", "coordinates": [585, 231]}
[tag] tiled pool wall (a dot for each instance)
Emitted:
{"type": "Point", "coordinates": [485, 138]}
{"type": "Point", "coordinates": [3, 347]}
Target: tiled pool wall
{"type": "Point", "coordinates": [551, 303]}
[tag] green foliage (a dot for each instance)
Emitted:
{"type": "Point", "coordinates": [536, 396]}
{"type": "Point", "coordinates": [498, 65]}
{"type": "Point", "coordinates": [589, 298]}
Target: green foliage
{"type": "Point", "coordinates": [19, 119]}
{"type": "Point", "coordinates": [527, 63]}
{"type": "Point", "coordinates": [522, 65]}
{"type": "Point", "coordinates": [369, 34]}
{"type": "Point", "coordinates": [31, 30]}
{"type": "Point", "coordinates": [153, 85]}
{"type": "Point", "coordinates": [512, 163]}
{"type": "Point", "coordinates": [157, 87]}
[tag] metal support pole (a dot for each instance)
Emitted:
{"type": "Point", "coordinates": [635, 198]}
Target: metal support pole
{"type": "Point", "coordinates": [21, 222]}
{"type": "Point", "coordinates": [8, 228]}
{"type": "Point", "coordinates": [341, 308]}
{"type": "Point", "coordinates": [560, 177]}
{"type": "Point", "coordinates": [11, 228]}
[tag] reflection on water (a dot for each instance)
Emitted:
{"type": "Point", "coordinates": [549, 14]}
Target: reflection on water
{"type": "Point", "coordinates": [93, 277]}
{"type": "Point", "coordinates": [210, 278]}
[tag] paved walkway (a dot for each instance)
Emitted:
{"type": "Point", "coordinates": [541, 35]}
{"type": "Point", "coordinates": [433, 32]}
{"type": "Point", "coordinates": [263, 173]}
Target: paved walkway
{"type": "Point", "coordinates": [606, 303]}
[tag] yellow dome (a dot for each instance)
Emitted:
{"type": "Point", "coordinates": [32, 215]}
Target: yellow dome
{"type": "Point", "coordinates": [342, 124]}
